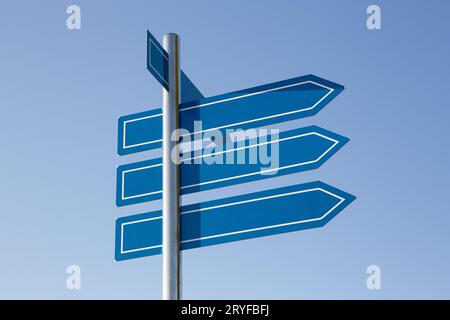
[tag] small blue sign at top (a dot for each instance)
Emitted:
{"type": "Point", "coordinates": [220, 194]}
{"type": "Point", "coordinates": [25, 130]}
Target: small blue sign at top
{"type": "Point", "coordinates": [158, 65]}
{"type": "Point", "coordinates": [157, 61]}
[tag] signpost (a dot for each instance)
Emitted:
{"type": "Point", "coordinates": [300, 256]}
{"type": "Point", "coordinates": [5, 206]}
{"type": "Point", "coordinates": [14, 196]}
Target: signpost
{"type": "Point", "coordinates": [251, 215]}
{"type": "Point", "coordinates": [247, 216]}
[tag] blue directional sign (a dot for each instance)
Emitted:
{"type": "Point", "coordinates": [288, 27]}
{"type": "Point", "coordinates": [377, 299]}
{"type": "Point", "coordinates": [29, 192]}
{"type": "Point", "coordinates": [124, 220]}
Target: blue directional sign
{"type": "Point", "coordinates": [276, 102]}
{"type": "Point", "coordinates": [292, 151]}
{"type": "Point", "coordinates": [158, 64]}
{"type": "Point", "coordinates": [241, 217]}
{"type": "Point", "coordinates": [157, 61]}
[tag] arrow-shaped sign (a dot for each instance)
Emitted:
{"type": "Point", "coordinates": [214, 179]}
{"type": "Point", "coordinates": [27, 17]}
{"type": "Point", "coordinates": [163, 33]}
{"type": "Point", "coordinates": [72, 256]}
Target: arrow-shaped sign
{"type": "Point", "coordinates": [242, 217]}
{"type": "Point", "coordinates": [293, 151]}
{"type": "Point", "coordinates": [276, 102]}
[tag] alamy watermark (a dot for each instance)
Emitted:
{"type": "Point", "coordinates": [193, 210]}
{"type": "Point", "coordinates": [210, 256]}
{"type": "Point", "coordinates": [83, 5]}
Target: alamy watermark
{"type": "Point", "coordinates": [73, 21]}
{"type": "Point", "coordinates": [373, 21]}
{"type": "Point", "coordinates": [73, 281]}
{"type": "Point", "coordinates": [373, 281]}
{"type": "Point", "coordinates": [231, 146]}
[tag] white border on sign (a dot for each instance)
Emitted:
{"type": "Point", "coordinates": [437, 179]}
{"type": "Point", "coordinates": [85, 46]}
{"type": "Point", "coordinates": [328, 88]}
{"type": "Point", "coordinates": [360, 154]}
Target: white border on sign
{"type": "Point", "coordinates": [264, 171]}
{"type": "Point", "coordinates": [124, 146]}
{"type": "Point", "coordinates": [236, 232]}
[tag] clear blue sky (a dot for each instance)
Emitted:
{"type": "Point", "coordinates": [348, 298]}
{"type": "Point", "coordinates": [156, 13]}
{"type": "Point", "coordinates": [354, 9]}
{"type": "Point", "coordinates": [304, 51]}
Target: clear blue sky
{"type": "Point", "coordinates": [62, 92]}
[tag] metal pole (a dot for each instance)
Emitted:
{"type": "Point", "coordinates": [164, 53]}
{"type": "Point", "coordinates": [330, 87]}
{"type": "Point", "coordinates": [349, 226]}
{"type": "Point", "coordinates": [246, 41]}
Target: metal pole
{"type": "Point", "coordinates": [171, 231]}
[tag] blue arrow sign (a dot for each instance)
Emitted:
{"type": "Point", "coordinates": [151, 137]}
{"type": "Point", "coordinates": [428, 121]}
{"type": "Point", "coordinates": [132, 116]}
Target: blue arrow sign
{"type": "Point", "coordinates": [276, 102]}
{"type": "Point", "coordinates": [237, 218]}
{"type": "Point", "coordinates": [298, 150]}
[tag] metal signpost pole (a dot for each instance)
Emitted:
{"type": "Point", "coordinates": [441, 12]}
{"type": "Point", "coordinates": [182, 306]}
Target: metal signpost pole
{"type": "Point", "coordinates": [171, 231]}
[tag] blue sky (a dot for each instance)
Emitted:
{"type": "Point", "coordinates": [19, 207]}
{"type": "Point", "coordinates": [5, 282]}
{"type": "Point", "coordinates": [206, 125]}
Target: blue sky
{"type": "Point", "coordinates": [63, 90]}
